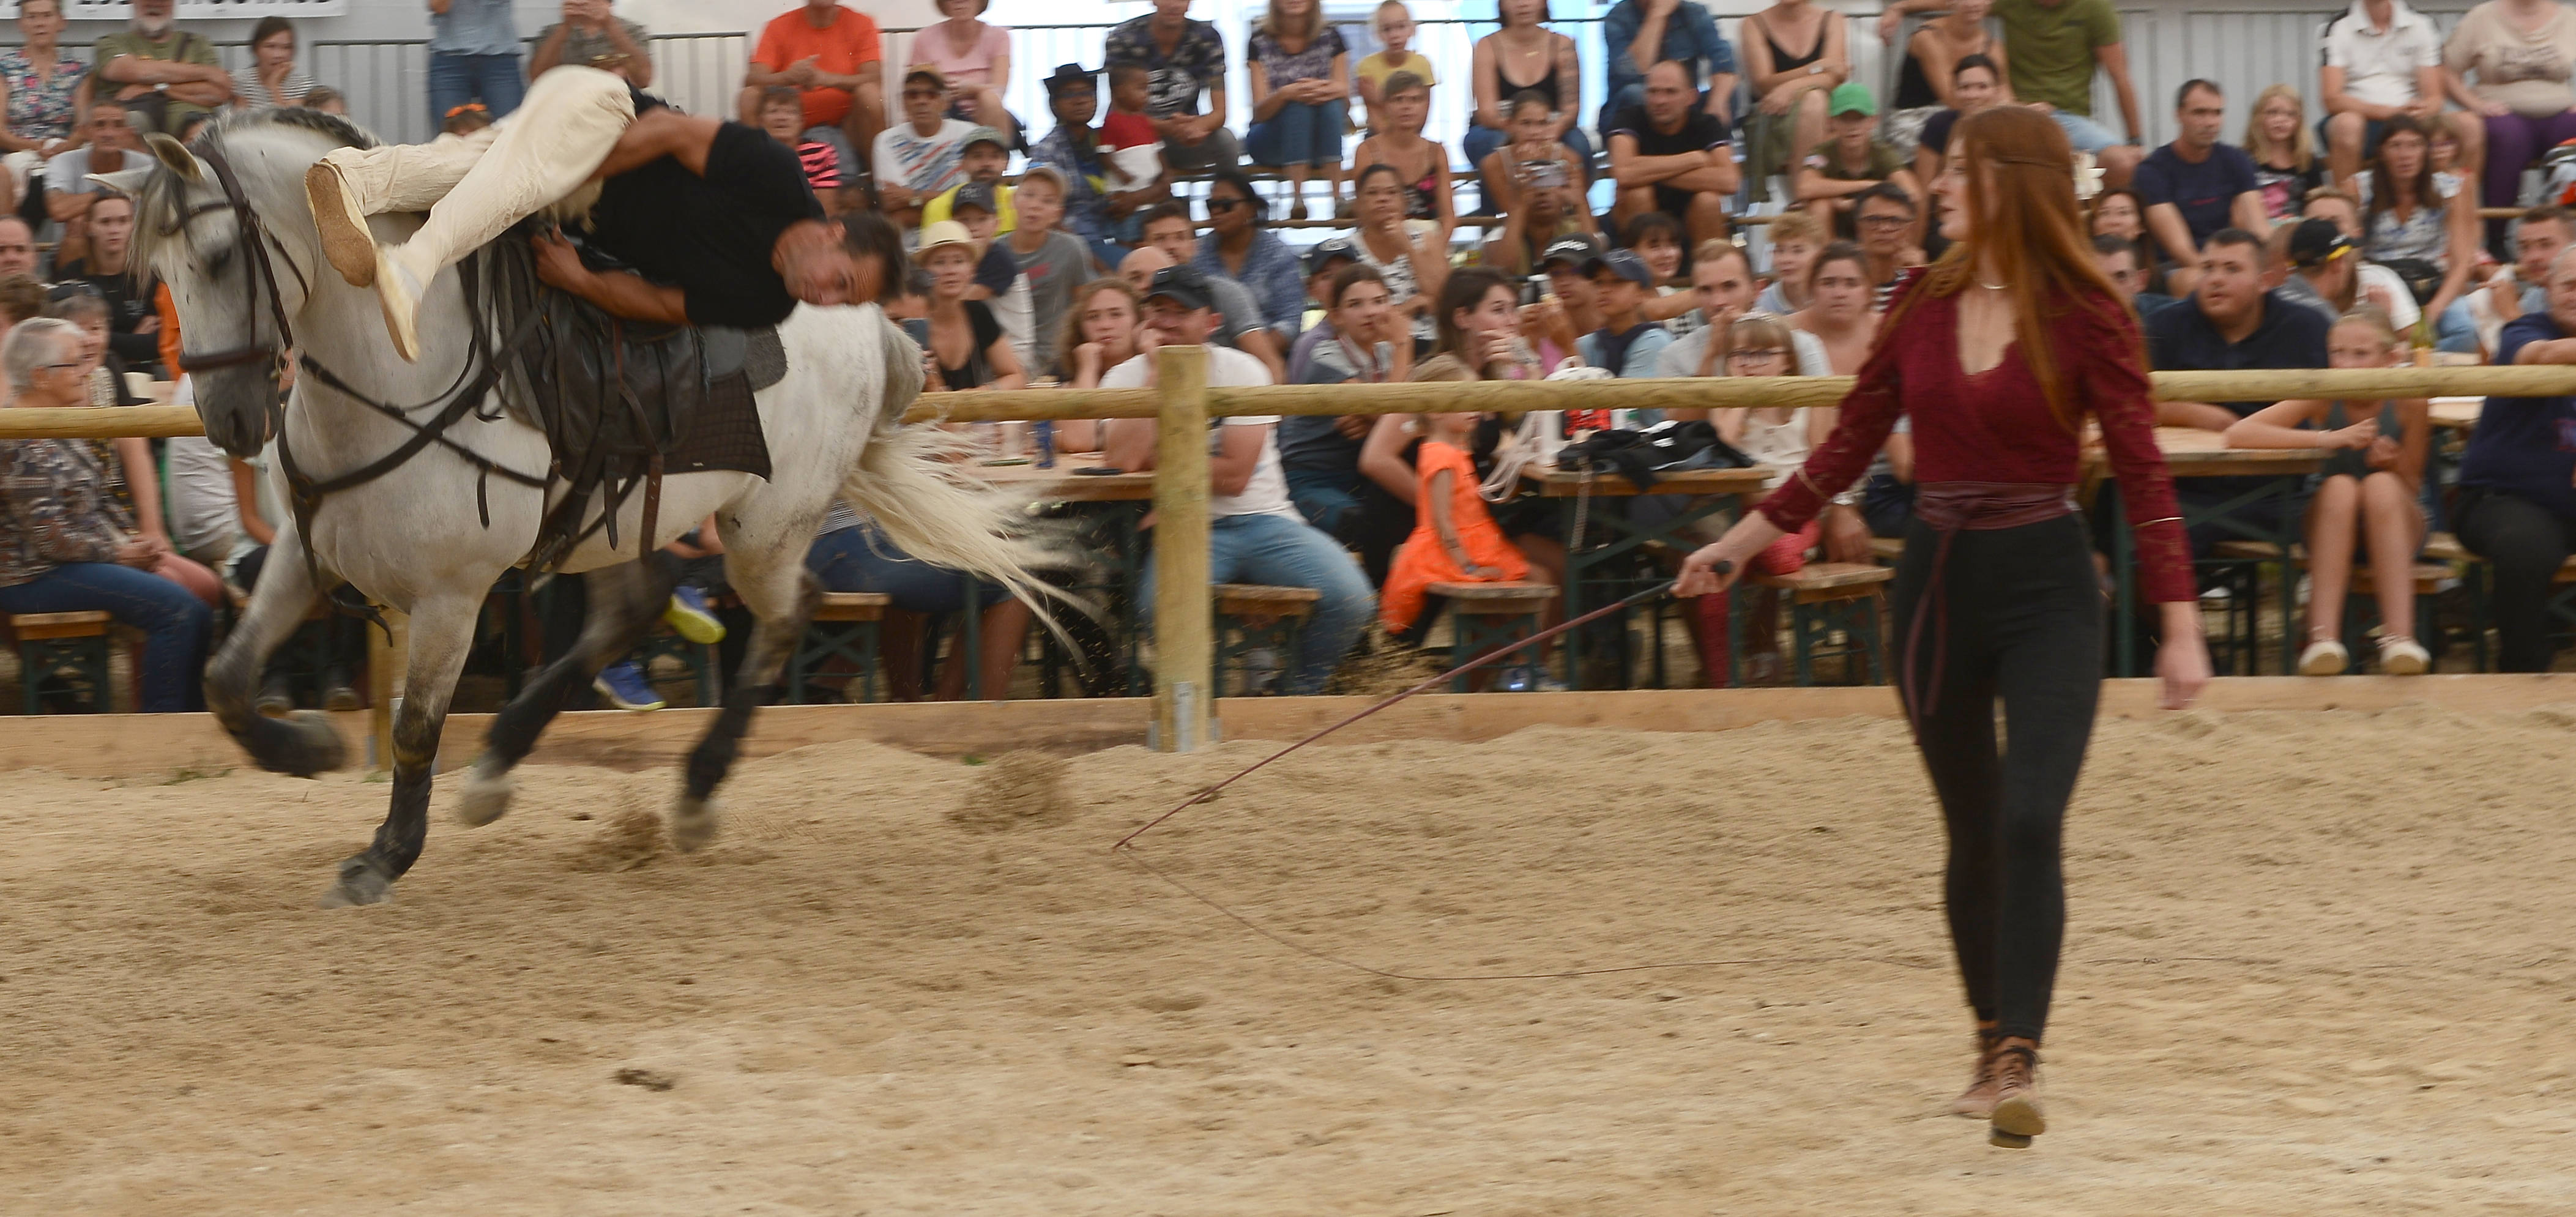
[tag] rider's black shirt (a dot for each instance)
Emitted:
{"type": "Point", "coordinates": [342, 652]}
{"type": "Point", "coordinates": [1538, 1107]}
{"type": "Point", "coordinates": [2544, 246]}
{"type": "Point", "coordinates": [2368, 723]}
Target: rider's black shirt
{"type": "Point", "coordinates": [711, 236]}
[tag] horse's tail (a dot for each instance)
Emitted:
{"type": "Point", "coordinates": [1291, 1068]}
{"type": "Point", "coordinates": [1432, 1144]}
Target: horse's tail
{"type": "Point", "coordinates": [903, 484]}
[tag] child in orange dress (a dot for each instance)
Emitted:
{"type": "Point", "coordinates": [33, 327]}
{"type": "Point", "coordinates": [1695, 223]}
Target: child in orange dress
{"type": "Point", "coordinates": [1455, 539]}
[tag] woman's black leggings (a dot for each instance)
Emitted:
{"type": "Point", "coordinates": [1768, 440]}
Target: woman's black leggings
{"type": "Point", "coordinates": [2524, 543]}
{"type": "Point", "coordinates": [2016, 614]}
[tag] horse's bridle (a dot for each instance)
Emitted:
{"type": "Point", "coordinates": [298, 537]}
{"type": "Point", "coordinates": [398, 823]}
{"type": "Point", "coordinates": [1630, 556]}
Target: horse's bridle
{"type": "Point", "coordinates": [305, 492]}
{"type": "Point", "coordinates": [254, 236]}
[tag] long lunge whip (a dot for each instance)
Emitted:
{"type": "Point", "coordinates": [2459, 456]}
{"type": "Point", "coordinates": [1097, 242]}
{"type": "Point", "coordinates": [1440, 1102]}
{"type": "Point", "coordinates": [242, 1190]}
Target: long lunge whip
{"type": "Point", "coordinates": [1125, 845]}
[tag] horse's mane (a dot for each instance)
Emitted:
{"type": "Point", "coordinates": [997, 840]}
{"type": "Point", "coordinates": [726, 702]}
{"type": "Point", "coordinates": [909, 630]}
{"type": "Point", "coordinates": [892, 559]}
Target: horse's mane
{"type": "Point", "coordinates": [164, 194]}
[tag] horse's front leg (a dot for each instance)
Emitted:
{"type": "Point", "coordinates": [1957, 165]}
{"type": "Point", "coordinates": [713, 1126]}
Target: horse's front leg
{"type": "Point", "coordinates": [624, 601]}
{"type": "Point", "coordinates": [301, 744]}
{"type": "Point", "coordinates": [442, 630]}
{"type": "Point", "coordinates": [781, 597]}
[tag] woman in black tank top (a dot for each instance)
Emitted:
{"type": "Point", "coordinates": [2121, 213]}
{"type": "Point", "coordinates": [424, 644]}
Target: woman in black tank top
{"type": "Point", "coordinates": [1791, 85]}
{"type": "Point", "coordinates": [967, 348]}
{"type": "Point", "coordinates": [1932, 56]}
{"type": "Point", "coordinates": [1523, 56]}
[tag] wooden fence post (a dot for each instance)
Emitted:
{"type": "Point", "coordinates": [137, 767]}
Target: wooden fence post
{"type": "Point", "coordinates": [1184, 645]}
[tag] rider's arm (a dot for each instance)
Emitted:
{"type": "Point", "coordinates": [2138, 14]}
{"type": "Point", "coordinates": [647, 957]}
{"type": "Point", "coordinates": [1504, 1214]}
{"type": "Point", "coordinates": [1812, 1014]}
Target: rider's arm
{"type": "Point", "coordinates": [619, 293]}
{"type": "Point", "coordinates": [631, 296]}
{"type": "Point", "coordinates": [661, 132]}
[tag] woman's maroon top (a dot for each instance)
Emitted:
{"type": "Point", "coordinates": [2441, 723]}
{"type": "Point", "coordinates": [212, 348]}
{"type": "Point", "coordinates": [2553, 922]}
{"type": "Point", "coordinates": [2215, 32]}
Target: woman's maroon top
{"type": "Point", "coordinates": [1996, 426]}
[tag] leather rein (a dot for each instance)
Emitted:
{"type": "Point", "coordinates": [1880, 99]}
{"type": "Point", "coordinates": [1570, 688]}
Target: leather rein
{"type": "Point", "coordinates": [305, 493]}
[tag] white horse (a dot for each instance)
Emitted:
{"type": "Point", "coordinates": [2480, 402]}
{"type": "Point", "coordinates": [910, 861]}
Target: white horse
{"type": "Point", "coordinates": [228, 229]}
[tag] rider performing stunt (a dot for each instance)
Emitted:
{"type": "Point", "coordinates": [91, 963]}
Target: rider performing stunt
{"type": "Point", "coordinates": [715, 216]}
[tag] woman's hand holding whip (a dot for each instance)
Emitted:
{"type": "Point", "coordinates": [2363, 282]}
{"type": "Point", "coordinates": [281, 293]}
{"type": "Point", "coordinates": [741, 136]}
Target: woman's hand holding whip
{"type": "Point", "coordinates": [1713, 567]}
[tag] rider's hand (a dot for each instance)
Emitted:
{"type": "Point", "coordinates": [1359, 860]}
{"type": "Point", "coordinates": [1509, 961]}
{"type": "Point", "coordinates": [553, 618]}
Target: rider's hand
{"type": "Point", "coordinates": [558, 263]}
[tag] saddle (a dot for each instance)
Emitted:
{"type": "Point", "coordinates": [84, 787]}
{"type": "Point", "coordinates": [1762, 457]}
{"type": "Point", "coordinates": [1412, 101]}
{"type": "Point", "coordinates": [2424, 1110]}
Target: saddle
{"type": "Point", "coordinates": [622, 403]}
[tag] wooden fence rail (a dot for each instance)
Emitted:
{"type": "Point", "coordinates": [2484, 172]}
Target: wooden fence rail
{"type": "Point", "coordinates": [1184, 647]}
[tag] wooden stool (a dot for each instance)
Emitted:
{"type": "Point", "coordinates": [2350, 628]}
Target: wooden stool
{"type": "Point", "coordinates": [2238, 567]}
{"type": "Point", "coordinates": [1483, 616]}
{"type": "Point", "coordinates": [1250, 617]}
{"type": "Point", "coordinates": [844, 626]}
{"type": "Point", "coordinates": [61, 654]}
{"type": "Point", "coordinates": [1827, 596]}
{"type": "Point", "coordinates": [1886, 550]}
{"type": "Point", "coordinates": [705, 666]}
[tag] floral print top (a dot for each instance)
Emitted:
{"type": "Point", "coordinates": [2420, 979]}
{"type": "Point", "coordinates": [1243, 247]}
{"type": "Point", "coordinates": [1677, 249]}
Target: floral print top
{"type": "Point", "coordinates": [40, 109]}
{"type": "Point", "coordinates": [54, 509]}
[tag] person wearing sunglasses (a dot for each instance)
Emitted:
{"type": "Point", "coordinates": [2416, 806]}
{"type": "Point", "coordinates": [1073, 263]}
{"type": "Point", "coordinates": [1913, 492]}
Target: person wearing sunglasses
{"type": "Point", "coordinates": [1239, 248]}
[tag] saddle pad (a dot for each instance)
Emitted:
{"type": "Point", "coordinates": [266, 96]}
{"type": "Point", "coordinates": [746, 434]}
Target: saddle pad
{"type": "Point", "coordinates": [724, 432]}
{"type": "Point", "coordinates": [764, 358]}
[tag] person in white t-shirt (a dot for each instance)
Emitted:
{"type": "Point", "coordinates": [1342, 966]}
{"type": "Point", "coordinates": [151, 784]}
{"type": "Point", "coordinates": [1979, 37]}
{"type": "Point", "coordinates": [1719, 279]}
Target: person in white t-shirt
{"type": "Point", "coordinates": [919, 159]}
{"type": "Point", "coordinates": [1255, 535]}
{"type": "Point", "coordinates": [2383, 59]}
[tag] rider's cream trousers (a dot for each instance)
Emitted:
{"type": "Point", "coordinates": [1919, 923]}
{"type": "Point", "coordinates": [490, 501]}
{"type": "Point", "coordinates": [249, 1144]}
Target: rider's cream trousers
{"type": "Point", "coordinates": [475, 186]}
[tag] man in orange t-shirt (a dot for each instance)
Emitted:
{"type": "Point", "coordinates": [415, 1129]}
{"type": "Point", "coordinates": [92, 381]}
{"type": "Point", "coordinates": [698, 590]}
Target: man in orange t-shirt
{"type": "Point", "coordinates": [833, 56]}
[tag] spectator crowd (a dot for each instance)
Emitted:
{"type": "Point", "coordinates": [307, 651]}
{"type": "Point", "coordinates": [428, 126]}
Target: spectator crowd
{"type": "Point", "coordinates": [1062, 251]}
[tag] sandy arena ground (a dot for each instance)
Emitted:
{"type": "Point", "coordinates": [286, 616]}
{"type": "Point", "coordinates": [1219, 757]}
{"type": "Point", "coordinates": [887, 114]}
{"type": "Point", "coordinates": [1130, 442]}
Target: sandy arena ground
{"type": "Point", "coordinates": [2320, 963]}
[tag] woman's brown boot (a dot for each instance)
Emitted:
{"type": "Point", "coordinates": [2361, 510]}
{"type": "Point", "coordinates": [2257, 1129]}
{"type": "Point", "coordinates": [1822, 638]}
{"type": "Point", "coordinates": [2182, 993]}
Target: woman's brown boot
{"type": "Point", "coordinates": [2016, 1117]}
{"type": "Point", "coordinates": [1978, 1100]}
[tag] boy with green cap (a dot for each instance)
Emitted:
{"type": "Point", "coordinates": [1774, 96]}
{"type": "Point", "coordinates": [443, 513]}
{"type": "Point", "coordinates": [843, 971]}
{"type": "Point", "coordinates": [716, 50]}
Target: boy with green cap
{"type": "Point", "coordinates": [1854, 160]}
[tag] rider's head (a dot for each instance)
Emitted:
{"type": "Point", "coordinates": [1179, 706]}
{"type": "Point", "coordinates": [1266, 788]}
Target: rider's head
{"type": "Point", "coordinates": [828, 263]}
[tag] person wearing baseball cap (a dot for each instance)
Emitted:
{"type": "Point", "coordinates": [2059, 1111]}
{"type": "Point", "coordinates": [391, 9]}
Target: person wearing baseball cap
{"type": "Point", "coordinates": [2325, 268]}
{"type": "Point", "coordinates": [1323, 259]}
{"type": "Point", "coordinates": [1836, 172]}
{"type": "Point", "coordinates": [1626, 343]}
{"type": "Point", "coordinates": [998, 278]}
{"type": "Point", "coordinates": [1563, 262]}
{"type": "Point", "coordinates": [983, 154]}
{"type": "Point", "coordinates": [919, 159]}
{"type": "Point", "coordinates": [1255, 533]}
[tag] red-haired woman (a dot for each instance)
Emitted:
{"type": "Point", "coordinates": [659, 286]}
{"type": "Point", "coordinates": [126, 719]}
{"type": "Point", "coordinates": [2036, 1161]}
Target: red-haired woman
{"type": "Point", "coordinates": [1995, 353]}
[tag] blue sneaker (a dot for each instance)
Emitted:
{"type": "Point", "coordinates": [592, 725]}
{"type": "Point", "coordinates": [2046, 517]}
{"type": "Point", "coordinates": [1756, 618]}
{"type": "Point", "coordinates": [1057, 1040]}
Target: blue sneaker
{"type": "Point", "coordinates": [690, 618]}
{"type": "Point", "coordinates": [623, 684]}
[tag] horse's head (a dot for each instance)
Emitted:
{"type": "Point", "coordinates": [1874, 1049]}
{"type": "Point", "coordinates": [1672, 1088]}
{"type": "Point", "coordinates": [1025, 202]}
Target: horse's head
{"type": "Point", "coordinates": [225, 227]}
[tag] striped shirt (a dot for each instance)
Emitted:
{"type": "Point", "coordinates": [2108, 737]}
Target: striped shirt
{"type": "Point", "coordinates": [822, 165]}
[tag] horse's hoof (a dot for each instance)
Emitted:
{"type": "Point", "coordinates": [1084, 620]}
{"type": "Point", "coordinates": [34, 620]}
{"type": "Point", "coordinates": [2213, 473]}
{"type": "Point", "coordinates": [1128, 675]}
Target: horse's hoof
{"type": "Point", "coordinates": [484, 797]}
{"type": "Point", "coordinates": [693, 823]}
{"type": "Point", "coordinates": [299, 745]}
{"type": "Point", "coordinates": [360, 883]}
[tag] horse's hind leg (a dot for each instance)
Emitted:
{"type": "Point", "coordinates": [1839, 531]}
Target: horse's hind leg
{"type": "Point", "coordinates": [781, 597]}
{"type": "Point", "coordinates": [302, 744]}
{"type": "Point", "coordinates": [442, 630]}
{"type": "Point", "coordinates": [625, 601]}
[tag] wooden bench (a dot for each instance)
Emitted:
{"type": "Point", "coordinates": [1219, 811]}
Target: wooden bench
{"type": "Point", "coordinates": [60, 654]}
{"type": "Point", "coordinates": [1886, 550]}
{"type": "Point", "coordinates": [845, 627]}
{"type": "Point", "coordinates": [2473, 573]}
{"type": "Point", "coordinates": [1486, 616]}
{"type": "Point", "coordinates": [1255, 616]}
{"type": "Point", "coordinates": [1827, 596]}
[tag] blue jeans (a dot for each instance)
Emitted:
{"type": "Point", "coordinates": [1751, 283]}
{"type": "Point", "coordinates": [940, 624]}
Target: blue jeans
{"type": "Point", "coordinates": [455, 80]}
{"type": "Point", "coordinates": [2086, 134]}
{"type": "Point", "coordinates": [1298, 133]}
{"type": "Point", "coordinates": [1481, 141]}
{"type": "Point", "coordinates": [2456, 329]}
{"type": "Point", "coordinates": [1283, 551]}
{"type": "Point", "coordinates": [862, 559]}
{"type": "Point", "coordinates": [174, 623]}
